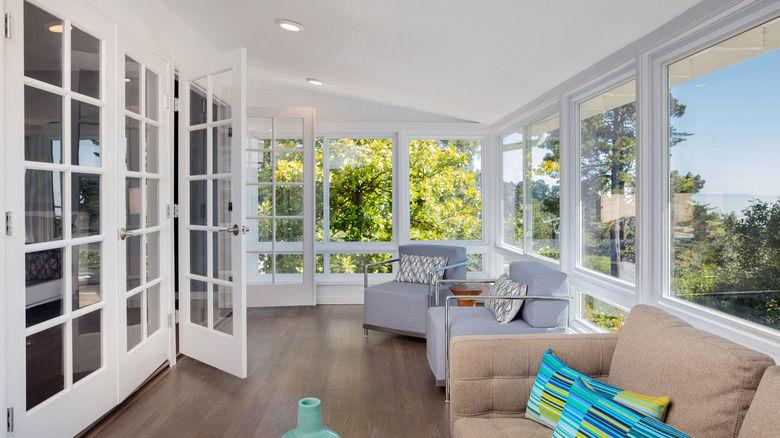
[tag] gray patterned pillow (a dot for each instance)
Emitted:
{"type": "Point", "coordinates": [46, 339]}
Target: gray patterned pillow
{"type": "Point", "coordinates": [506, 310]}
{"type": "Point", "coordinates": [417, 268]}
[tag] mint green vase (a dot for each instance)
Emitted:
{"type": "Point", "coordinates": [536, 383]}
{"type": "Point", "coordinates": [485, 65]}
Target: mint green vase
{"type": "Point", "coordinates": [310, 421]}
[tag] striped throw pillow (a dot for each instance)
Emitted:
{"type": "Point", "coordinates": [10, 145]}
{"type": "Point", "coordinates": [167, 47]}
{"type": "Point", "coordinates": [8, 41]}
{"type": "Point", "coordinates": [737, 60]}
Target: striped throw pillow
{"type": "Point", "coordinates": [551, 392]}
{"type": "Point", "coordinates": [590, 414]}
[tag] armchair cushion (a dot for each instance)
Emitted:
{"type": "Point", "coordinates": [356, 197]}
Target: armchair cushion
{"type": "Point", "coordinates": [505, 310]}
{"type": "Point", "coordinates": [417, 268]}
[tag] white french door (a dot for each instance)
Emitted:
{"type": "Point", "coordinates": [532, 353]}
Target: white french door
{"type": "Point", "coordinates": [145, 230]}
{"type": "Point", "coordinates": [212, 285]}
{"type": "Point", "coordinates": [280, 206]}
{"type": "Point", "coordinates": [62, 249]}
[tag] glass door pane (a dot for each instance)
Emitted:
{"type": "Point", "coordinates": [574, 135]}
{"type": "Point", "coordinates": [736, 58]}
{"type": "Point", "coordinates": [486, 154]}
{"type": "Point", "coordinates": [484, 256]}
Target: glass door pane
{"type": "Point", "coordinates": [213, 325]}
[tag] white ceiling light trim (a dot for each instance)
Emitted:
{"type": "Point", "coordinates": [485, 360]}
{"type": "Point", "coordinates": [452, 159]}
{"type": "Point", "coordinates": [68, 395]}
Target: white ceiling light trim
{"type": "Point", "coordinates": [290, 25]}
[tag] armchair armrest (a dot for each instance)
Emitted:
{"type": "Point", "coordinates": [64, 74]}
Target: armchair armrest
{"type": "Point", "coordinates": [492, 376]}
{"type": "Point", "coordinates": [481, 298]}
{"type": "Point", "coordinates": [365, 269]}
{"type": "Point", "coordinates": [431, 282]}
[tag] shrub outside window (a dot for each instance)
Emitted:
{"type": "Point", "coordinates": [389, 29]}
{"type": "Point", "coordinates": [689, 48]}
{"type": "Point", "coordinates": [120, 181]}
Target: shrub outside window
{"type": "Point", "coordinates": [724, 182]}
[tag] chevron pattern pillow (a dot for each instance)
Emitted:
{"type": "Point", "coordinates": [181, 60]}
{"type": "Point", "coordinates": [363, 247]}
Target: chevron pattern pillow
{"type": "Point", "coordinates": [417, 268]}
{"type": "Point", "coordinates": [505, 310]}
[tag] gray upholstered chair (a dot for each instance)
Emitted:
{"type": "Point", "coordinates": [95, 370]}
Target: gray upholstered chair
{"type": "Point", "coordinates": [399, 307]}
{"type": "Point", "coordinates": [545, 310]}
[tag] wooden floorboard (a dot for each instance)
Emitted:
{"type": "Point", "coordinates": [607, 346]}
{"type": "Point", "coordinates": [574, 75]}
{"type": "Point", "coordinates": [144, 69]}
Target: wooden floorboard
{"type": "Point", "coordinates": [379, 386]}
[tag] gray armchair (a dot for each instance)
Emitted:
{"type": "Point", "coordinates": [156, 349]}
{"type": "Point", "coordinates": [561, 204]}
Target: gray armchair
{"type": "Point", "coordinates": [399, 307]}
{"type": "Point", "coordinates": [545, 310]}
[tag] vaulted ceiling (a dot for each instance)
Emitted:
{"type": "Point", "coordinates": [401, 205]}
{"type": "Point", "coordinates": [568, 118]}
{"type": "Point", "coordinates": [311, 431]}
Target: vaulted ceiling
{"type": "Point", "coordinates": [464, 59]}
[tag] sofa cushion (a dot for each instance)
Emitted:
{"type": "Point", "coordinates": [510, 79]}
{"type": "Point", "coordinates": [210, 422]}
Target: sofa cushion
{"type": "Point", "coordinates": [505, 310]}
{"type": "Point", "coordinates": [417, 268]}
{"type": "Point", "coordinates": [710, 380]}
{"type": "Point", "coordinates": [550, 393]}
{"type": "Point", "coordinates": [762, 419]}
{"type": "Point", "coordinates": [499, 428]}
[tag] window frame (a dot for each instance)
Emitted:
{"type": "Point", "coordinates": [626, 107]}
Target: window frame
{"type": "Point", "coordinates": [523, 125]}
{"type": "Point", "coordinates": [401, 134]}
{"type": "Point", "coordinates": [613, 291]}
{"type": "Point", "coordinates": [655, 205]}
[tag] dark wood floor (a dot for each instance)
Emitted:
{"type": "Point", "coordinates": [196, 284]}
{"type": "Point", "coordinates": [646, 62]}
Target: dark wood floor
{"type": "Point", "coordinates": [380, 386]}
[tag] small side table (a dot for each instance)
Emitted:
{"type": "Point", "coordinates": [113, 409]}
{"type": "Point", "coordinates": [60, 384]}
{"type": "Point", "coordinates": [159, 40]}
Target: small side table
{"type": "Point", "coordinates": [466, 289]}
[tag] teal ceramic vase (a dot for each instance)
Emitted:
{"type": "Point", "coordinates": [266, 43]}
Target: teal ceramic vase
{"type": "Point", "coordinates": [310, 421]}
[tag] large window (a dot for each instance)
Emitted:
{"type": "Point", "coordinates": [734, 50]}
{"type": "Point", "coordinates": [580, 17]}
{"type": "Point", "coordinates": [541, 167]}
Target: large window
{"type": "Point", "coordinates": [724, 182]}
{"type": "Point", "coordinates": [608, 182]}
{"type": "Point", "coordinates": [354, 202]}
{"type": "Point", "coordinates": [531, 171]}
{"type": "Point", "coordinates": [445, 189]}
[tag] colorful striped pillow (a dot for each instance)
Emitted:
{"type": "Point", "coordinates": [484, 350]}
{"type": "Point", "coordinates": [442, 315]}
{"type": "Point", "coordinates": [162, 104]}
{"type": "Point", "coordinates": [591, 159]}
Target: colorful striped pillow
{"type": "Point", "coordinates": [551, 392]}
{"type": "Point", "coordinates": [589, 414]}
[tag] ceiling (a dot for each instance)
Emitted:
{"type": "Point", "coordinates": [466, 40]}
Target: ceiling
{"type": "Point", "coordinates": [464, 59]}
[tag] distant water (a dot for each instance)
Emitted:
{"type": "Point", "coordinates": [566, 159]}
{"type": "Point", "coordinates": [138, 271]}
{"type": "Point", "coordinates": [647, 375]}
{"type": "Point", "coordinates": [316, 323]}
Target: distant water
{"type": "Point", "coordinates": [731, 202]}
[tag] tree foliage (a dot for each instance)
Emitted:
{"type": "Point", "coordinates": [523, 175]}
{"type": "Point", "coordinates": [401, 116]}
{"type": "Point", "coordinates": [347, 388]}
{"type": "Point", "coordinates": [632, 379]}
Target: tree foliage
{"type": "Point", "coordinates": [445, 190]}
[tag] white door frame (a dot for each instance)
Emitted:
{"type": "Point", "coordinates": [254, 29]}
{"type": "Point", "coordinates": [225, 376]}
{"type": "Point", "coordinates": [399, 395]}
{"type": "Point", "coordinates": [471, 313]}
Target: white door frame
{"type": "Point", "coordinates": [281, 293]}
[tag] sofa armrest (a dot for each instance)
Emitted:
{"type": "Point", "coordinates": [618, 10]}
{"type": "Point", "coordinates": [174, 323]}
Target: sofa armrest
{"type": "Point", "coordinates": [492, 376]}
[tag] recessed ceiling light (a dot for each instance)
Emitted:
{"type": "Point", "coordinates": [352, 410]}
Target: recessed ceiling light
{"type": "Point", "coordinates": [290, 25]}
{"type": "Point", "coordinates": [314, 81]}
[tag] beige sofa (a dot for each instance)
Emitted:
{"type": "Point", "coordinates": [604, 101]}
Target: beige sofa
{"type": "Point", "coordinates": [717, 388]}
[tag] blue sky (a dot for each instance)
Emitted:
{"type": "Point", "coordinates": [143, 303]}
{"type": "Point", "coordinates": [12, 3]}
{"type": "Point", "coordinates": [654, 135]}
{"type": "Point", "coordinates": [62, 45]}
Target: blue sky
{"type": "Point", "coordinates": [734, 116]}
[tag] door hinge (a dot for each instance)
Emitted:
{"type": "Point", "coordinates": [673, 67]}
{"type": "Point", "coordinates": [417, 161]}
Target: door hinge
{"type": "Point", "coordinates": [170, 320]}
{"type": "Point", "coordinates": [177, 316]}
{"type": "Point", "coordinates": [166, 100]}
{"type": "Point", "coordinates": [8, 25]}
{"type": "Point", "coordinates": [175, 210]}
{"type": "Point", "coordinates": [176, 104]}
{"type": "Point", "coordinates": [9, 223]}
{"type": "Point", "coordinates": [10, 419]}
{"type": "Point", "coordinates": [169, 211]}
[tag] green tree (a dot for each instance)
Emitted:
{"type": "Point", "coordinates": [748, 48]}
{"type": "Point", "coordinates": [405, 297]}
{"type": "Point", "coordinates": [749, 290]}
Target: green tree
{"type": "Point", "coordinates": [361, 192]}
{"type": "Point", "coordinates": [608, 167]}
{"type": "Point", "coordinates": [445, 190]}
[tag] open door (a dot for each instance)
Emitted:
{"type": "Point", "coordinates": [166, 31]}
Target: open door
{"type": "Point", "coordinates": [212, 286]}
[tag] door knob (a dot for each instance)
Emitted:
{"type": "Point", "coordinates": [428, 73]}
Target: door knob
{"type": "Point", "coordinates": [235, 229]}
{"type": "Point", "coordinates": [123, 233]}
